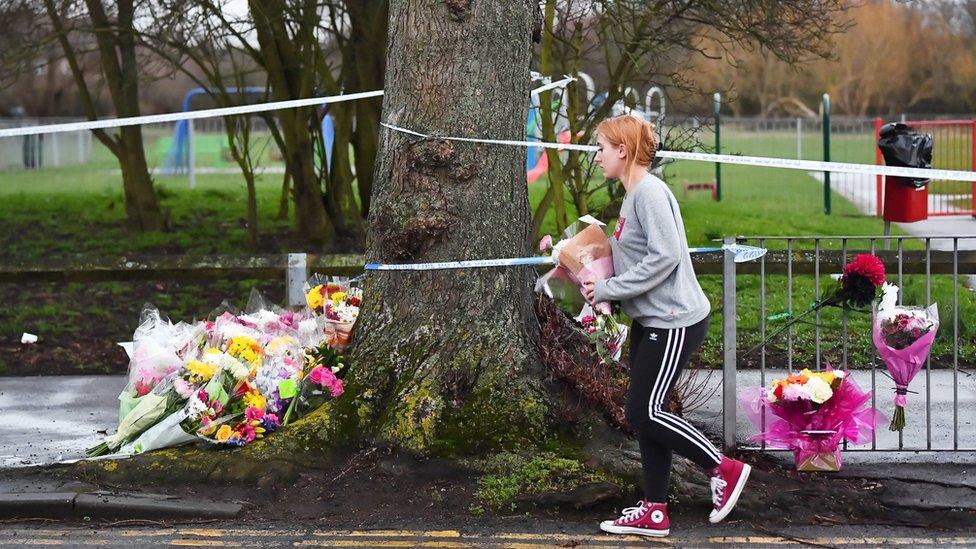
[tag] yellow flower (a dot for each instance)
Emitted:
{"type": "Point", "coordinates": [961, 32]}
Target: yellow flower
{"type": "Point", "coordinates": [255, 399]}
{"type": "Point", "coordinates": [338, 297]}
{"type": "Point", "coordinates": [245, 348]}
{"type": "Point", "coordinates": [278, 343]}
{"type": "Point", "coordinates": [314, 298]}
{"type": "Point", "coordinates": [212, 351]}
{"type": "Point", "coordinates": [223, 434]}
{"type": "Point", "coordinates": [827, 377]}
{"type": "Point", "coordinates": [200, 371]}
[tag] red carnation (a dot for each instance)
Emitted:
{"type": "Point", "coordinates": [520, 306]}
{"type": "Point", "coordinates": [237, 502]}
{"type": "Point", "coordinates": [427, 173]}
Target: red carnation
{"type": "Point", "coordinates": [355, 301]}
{"type": "Point", "coordinates": [868, 266]}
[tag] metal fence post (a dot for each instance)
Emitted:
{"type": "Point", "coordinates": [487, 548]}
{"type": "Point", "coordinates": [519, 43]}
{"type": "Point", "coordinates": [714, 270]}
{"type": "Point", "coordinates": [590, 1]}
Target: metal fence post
{"type": "Point", "coordinates": [728, 348]}
{"type": "Point", "coordinates": [718, 146]}
{"type": "Point", "coordinates": [826, 151]}
{"type": "Point", "coordinates": [295, 277]}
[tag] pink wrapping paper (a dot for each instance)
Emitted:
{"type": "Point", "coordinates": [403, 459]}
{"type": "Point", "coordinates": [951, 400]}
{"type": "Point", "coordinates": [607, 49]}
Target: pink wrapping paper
{"type": "Point", "coordinates": [845, 416]}
{"type": "Point", "coordinates": [903, 364]}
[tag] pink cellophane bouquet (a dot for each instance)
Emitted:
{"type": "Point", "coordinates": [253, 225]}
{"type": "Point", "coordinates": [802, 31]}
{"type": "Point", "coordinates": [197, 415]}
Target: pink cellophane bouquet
{"type": "Point", "coordinates": [811, 413]}
{"type": "Point", "coordinates": [903, 337]}
{"type": "Point", "coordinates": [584, 254]}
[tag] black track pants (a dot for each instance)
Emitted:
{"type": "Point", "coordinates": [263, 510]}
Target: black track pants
{"type": "Point", "coordinates": [657, 357]}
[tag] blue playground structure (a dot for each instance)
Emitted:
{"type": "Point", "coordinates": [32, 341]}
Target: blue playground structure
{"type": "Point", "coordinates": [177, 159]}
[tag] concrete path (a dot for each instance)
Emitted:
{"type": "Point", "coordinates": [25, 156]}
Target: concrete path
{"type": "Point", "coordinates": [863, 195]}
{"type": "Point", "coordinates": [50, 419]}
{"type": "Point", "coordinates": [54, 418]}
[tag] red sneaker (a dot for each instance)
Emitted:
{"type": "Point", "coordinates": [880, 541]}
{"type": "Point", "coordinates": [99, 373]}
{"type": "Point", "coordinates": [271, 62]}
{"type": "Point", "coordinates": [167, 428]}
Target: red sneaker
{"type": "Point", "coordinates": [728, 480]}
{"type": "Point", "coordinates": [647, 519]}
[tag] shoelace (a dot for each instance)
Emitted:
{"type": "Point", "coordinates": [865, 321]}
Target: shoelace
{"type": "Point", "coordinates": [633, 513]}
{"type": "Point", "coordinates": [718, 490]}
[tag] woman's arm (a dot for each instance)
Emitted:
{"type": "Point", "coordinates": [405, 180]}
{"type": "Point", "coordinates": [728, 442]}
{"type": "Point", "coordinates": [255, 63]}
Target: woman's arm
{"type": "Point", "coordinates": [661, 258]}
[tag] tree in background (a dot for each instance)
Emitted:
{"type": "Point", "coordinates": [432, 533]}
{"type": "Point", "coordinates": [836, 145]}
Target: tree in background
{"type": "Point", "coordinates": [86, 31]}
{"type": "Point", "coordinates": [631, 43]}
{"type": "Point", "coordinates": [892, 57]}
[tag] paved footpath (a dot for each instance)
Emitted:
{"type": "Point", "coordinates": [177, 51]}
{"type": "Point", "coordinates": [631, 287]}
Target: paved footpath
{"type": "Point", "coordinates": [279, 535]}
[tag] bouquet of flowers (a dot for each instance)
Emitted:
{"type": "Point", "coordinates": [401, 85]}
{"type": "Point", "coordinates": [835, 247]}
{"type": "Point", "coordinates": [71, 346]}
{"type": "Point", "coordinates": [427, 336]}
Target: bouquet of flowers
{"type": "Point", "coordinates": [226, 380]}
{"type": "Point", "coordinates": [903, 337]}
{"type": "Point", "coordinates": [321, 383]}
{"type": "Point", "coordinates": [242, 421]}
{"type": "Point", "coordinates": [606, 334]}
{"type": "Point", "coordinates": [811, 413]}
{"type": "Point", "coordinates": [583, 254]}
{"type": "Point", "coordinates": [338, 301]}
{"type": "Point", "coordinates": [855, 290]}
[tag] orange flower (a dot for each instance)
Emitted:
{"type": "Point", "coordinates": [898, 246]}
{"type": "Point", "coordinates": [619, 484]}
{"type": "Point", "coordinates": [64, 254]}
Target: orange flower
{"type": "Point", "coordinates": [799, 379]}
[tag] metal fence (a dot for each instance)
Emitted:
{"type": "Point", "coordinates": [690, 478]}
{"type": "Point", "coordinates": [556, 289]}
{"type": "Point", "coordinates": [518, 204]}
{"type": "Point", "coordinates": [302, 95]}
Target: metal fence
{"type": "Point", "coordinates": [925, 266]}
{"type": "Point", "coordinates": [35, 152]}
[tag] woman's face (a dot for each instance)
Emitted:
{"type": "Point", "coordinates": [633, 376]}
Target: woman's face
{"type": "Point", "coordinates": [612, 159]}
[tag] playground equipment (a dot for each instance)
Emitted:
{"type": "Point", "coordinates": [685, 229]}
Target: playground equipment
{"type": "Point", "coordinates": [179, 159]}
{"type": "Point", "coordinates": [536, 162]}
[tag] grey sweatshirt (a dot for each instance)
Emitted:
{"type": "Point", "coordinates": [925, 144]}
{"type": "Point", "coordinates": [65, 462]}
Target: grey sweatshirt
{"type": "Point", "coordinates": [654, 279]}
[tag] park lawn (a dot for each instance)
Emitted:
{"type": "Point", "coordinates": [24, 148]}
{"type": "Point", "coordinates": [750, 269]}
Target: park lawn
{"type": "Point", "coordinates": [58, 213]}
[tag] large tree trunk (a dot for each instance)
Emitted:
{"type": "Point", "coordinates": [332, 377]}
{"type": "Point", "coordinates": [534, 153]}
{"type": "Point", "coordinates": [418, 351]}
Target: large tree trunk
{"type": "Point", "coordinates": [448, 359]}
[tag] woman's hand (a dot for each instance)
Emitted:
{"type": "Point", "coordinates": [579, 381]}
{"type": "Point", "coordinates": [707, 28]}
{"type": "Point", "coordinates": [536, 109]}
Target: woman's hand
{"type": "Point", "coordinates": [589, 287]}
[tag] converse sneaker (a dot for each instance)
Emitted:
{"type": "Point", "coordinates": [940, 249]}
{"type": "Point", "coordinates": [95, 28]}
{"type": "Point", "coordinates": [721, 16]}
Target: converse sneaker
{"type": "Point", "coordinates": [647, 519]}
{"type": "Point", "coordinates": [728, 480]}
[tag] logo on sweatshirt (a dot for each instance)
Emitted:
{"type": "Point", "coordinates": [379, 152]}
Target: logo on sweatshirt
{"type": "Point", "coordinates": [652, 336]}
{"type": "Point", "coordinates": [620, 227]}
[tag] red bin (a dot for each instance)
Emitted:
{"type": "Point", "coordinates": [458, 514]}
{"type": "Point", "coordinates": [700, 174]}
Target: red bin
{"type": "Point", "coordinates": [905, 203]}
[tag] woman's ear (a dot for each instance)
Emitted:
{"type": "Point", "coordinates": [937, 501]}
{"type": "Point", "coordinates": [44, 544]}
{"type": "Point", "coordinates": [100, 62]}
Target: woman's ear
{"type": "Point", "coordinates": [621, 151]}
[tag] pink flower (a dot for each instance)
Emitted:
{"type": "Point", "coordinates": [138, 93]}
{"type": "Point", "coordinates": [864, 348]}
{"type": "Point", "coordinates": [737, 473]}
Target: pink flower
{"type": "Point", "coordinates": [322, 376]}
{"type": "Point", "coordinates": [288, 318]}
{"type": "Point", "coordinates": [143, 387]}
{"type": "Point", "coordinates": [253, 414]}
{"type": "Point", "coordinates": [792, 392]}
{"type": "Point", "coordinates": [247, 432]}
{"type": "Point", "coordinates": [183, 387]}
{"type": "Point", "coordinates": [545, 244]}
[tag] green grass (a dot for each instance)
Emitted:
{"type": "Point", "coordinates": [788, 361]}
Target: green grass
{"type": "Point", "coordinates": [69, 211]}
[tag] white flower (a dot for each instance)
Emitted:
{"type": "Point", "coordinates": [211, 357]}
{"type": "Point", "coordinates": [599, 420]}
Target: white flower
{"type": "Point", "coordinates": [194, 406]}
{"type": "Point", "coordinates": [889, 301]}
{"type": "Point", "coordinates": [818, 390]}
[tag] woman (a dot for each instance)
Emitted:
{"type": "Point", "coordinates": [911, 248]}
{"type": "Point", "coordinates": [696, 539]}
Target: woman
{"type": "Point", "coordinates": [656, 286]}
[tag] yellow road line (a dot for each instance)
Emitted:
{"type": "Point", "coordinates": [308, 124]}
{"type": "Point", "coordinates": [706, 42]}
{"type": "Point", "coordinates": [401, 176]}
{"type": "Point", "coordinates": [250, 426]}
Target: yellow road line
{"type": "Point", "coordinates": [391, 533]}
{"type": "Point", "coordinates": [203, 532]}
{"type": "Point", "coordinates": [381, 543]}
{"type": "Point", "coordinates": [205, 543]}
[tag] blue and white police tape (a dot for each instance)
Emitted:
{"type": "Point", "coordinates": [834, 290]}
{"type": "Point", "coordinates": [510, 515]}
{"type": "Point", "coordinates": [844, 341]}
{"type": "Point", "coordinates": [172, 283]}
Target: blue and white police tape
{"type": "Point", "coordinates": [217, 112]}
{"type": "Point", "coordinates": [755, 161]}
{"type": "Point", "coordinates": [742, 253]}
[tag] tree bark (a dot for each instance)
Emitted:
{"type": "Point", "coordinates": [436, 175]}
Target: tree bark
{"type": "Point", "coordinates": [119, 64]}
{"type": "Point", "coordinates": [286, 47]}
{"type": "Point", "coordinates": [367, 26]}
{"type": "Point", "coordinates": [448, 359]}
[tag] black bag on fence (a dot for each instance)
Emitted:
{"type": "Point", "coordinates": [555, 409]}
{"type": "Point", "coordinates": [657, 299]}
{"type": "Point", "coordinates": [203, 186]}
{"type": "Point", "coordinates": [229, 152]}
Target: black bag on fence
{"type": "Point", "coordinates": [903, 147]}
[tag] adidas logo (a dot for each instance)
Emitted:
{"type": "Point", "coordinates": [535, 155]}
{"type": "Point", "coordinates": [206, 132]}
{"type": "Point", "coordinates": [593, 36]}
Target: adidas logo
{"type": "Point", "coordinates": [652, 336]}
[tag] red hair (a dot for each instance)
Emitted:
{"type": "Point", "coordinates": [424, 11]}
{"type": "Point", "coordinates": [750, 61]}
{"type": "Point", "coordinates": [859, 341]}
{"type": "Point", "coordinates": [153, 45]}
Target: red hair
{"type": "Point", "coordinates": [635, 134]}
